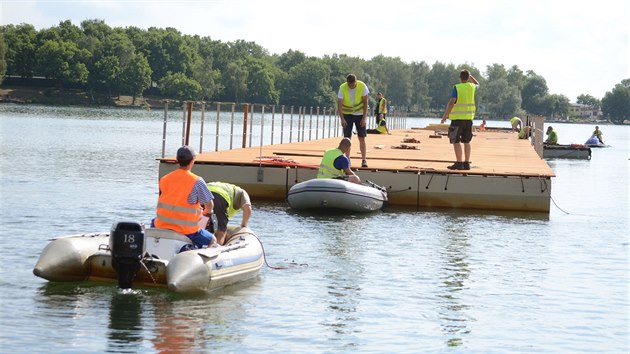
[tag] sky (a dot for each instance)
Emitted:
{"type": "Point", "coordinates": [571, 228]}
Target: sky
{"type": "Point", "coordinates": [579, 47]}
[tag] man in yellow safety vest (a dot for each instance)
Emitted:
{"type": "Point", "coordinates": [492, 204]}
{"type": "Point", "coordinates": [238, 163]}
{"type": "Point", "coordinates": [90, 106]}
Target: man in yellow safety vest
{"type": "Point", "coordinates": [461, 111]}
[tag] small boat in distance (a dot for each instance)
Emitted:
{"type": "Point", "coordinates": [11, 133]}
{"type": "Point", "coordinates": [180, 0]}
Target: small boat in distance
{"type": "Point", "coordinates": [331, 193]}
{"type": "Point", "coordinates": [131, 254]}
{"type": "Point", "coordinates": [593, 141]}
{"type": "Point", "coordinates": [573, 151]}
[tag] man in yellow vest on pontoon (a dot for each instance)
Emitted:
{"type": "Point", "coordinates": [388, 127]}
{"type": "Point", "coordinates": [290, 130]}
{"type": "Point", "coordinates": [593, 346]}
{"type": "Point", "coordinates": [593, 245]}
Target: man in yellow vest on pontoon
{"type": "Point", "coordinates": [352, 106]}
{"type": "Point", "coordinates": [461, 111]}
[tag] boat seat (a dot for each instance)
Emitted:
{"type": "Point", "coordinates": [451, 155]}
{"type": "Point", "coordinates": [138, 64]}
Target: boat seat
{"type": "Point", "coordinates": [166, 234]}
{"type": "Point", "coordinates": [165, 244]}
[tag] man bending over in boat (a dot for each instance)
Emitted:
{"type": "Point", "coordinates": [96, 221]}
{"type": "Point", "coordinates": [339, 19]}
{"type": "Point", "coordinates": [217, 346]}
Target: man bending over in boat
{"type": "Point", "coordinates": [228, 200]}
{"type": "Point", "coordinates": [182, 193]}
{"type": "Point", "coordinates": [336, 164]}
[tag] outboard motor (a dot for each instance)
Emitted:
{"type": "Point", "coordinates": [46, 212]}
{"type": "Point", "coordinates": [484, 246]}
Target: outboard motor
{"type": "Point", "coordinates": [127, 245]}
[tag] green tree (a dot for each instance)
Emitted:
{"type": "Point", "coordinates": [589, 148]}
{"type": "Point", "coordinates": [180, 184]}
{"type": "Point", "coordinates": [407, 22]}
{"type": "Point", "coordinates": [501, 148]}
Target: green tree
{"type": "Point", "coordinates": [62, 61]}
{"type": "Point", "coordinates": [136, 76]}
{"type": "Point", "coordinates": [441, 79]}
{"type": "Point", "coordinates": [3, 57]}
{"type": "Point", "coordinates": [533, 94]}
{"type": "Point", "coordinates": [616, 103]}
{"type": "Point", "coordinates": [290, 59]}
{"type": "Point", "coordinates": [180, 87]}
{"type": "Point", "coordinates": [420, 87]}
{"type": "Point", "coordinates": [260, 82]}
{"type": "Point", "coordinates": [106, 73]}
{"type": "Point", "coordinates": [21, 46]}
{"type": "Point", "coordinates": [502, 100]}
{"type": "Point", "coordinates": [308, 85]}
{"type": "Point", "coordinates": [234, 79]}
{"type": "Point", "coordinates": [589, 101]}
{"type": "Point", "coordinates": [207, 77]}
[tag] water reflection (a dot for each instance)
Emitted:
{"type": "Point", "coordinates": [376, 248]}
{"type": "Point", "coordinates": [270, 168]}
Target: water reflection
{"type": "Point", "coordinates": [125, 321]}
{"type": "Point", "coordinates": [343, 243]}
{"type": "Point", "coordinates": [456, 272]}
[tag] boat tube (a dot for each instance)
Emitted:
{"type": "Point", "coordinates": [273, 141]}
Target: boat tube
{"type": "Point", "coordinates": [330, 193]}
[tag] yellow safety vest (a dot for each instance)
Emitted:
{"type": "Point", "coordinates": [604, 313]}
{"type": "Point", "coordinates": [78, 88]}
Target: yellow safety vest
{"type": "Point", "coordinates": [514, 120]}
{"type": "Point", "coordinates": [327, 167]}
{"type": "Point", "coordinates": [464, 108]}
{"type": "Point", "coordinates": [381, 128]}
{"type": "Point", "coordinates": [227, 191]}
{"type": "Point", "coordinates": [355, 104]}
{"type": "Point", "coordinates": [382, 106]}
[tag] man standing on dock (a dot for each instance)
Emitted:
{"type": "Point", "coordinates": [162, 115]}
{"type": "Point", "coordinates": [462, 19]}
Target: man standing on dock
{"type": "Point", "coordinates": [461, 111]}
{"type": "Point", "coordinates": [352, 106]}
{"type": "Point", "coordinates": [381, 107]}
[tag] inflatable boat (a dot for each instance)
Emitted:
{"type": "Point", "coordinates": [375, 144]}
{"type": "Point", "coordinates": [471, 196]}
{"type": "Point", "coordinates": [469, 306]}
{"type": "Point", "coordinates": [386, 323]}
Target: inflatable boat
{"type": "Point", "coordinates": [328, 193]}
{"type": "Point", "coordinates": [131, 254]}
{"type": "Point", "coordinates": [573, 151]}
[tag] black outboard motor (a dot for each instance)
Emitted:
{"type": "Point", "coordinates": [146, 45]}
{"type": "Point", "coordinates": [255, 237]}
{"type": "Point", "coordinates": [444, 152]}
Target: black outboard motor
{"type": "Point", "coordinates": [127, 245]}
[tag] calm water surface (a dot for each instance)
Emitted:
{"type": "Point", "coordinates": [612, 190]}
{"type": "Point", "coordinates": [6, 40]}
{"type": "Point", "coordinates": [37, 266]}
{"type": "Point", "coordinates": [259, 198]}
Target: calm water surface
{"type": "Point", "coordinates": [393, 281]}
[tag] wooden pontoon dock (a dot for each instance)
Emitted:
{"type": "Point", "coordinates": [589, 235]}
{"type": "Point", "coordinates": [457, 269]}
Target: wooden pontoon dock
{"type": "Point", "coordinates": [506, 172]}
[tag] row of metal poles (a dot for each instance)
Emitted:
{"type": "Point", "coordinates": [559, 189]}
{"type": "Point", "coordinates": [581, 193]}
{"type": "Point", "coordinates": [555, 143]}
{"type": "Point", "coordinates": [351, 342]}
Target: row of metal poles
{"type": "Point", "coordinates": [319, 122]}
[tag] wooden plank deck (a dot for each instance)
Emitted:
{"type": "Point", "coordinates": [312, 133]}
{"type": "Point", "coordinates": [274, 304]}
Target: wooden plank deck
{"type": "Point", "coordinates": [524, 183]}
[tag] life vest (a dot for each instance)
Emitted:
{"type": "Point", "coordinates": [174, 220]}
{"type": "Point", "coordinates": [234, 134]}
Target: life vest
{"type": "Point", "coordinates": [327, 167]}
{"type": "Point", "coordinates": [464, 108]}
{"type": "Point", "coordinates": [352, 104]}
{"type": "Point", "coordinates": [514, 120]}
{"type": "Point", "coordinates": [381, 106]}
{"type": "Point", "coordinates": [227, 191]}
{"type": "Point", "coordinates": [173, 210]}
{"type": "Point", "coordinates": [381, 129]}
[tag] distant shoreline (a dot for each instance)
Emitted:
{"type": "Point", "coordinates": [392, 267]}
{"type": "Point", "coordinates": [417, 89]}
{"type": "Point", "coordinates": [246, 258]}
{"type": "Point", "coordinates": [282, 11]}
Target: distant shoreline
{"type": "Point", "coordinates": [72, 97]}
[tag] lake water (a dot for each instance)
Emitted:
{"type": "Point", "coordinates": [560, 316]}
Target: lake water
{"type": "Point", "coordinates": [455, 281]}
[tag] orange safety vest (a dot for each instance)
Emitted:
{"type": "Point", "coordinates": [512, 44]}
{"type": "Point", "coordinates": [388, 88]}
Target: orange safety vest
{"type": "Point", "coordinates": [173, 210]}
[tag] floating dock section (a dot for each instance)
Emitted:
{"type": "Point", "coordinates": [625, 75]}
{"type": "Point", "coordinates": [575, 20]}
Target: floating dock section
{"type": "Point", "coordinates": [506, 172]}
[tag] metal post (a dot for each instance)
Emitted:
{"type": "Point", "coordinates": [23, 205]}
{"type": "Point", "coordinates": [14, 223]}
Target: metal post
{"type": "Point", "coordinates": [251, 125]}
{"type": "Point", "coordinates": [282, 126]}
{"type": "Point", "coordinates": [317, 124]}
{"type": "Point", "coordinates": [273, 115]}
{"type": "Point", "coordinates": [246, 108]}
{"type": "Point", "coordinates": [231, 125]}
{"type": "Point", "coordinates": [164, 129]}
{"type": "Point", "coordinates": [216, 143]}
{"type": "Point", "coordinates": [262, 124]}
{"type": "Point", "coordinates": [291, 126]}
{"type": "Point", "coordinates": [184, 124]}
{"type": "Point", "coordinates": [310, 125]}
{"type": "Point", "coordinates": [299, 121]}
{"type": "Point", "coordinates": [203, 111]}
{"type": "Point", "coordinates": [188, 121]}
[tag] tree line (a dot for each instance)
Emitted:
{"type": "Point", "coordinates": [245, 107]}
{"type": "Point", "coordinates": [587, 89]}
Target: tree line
{"type": "Point", "coordinates": [132, 61]}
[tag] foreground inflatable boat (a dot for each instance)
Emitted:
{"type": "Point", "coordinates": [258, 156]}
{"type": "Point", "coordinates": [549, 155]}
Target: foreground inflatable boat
{"type": "Point", "coordinates": [130, 255]}
{"type": "Point", "coordinates": [327, 193]}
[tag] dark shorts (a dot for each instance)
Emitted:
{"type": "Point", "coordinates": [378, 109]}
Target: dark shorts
{"type": "Point", "coordinates": [460, 131]}
{"type": "Point", "coordinates": [220, 210]}
{"type": "Point", "coordinates": [353, 121]}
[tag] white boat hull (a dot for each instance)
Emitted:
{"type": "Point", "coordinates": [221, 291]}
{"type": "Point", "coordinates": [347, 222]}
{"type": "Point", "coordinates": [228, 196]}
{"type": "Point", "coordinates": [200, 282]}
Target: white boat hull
{"type": "Point", "coordinates": [324, 193]}
{"type": "Point", "coordinates": [87, 258]}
